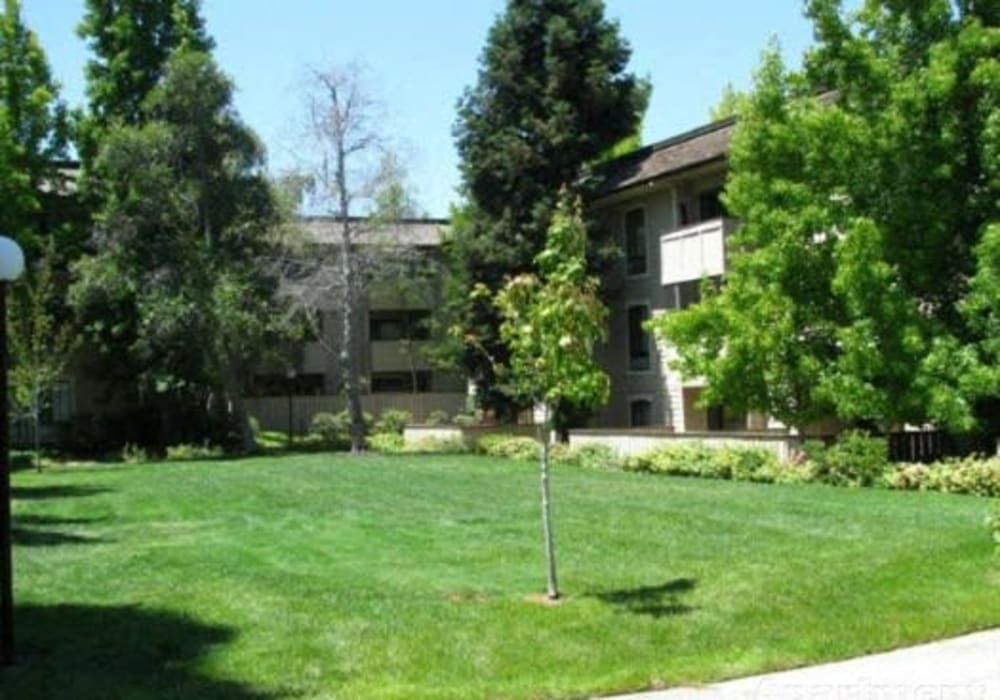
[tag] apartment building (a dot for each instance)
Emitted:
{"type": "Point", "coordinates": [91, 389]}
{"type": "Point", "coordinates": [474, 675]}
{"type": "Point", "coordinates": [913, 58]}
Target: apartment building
{"type": "Point", "coordinates": [394, 331]}
{"type": "Point", "coordinates": [662, 205]}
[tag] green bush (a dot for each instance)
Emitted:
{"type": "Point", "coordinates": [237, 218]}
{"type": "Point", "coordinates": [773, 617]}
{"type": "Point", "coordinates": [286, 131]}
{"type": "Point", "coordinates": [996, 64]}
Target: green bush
{"type": "Point", "coordinates": [856, 459]}
{"type": "Point", "coordinates": [974, 475]}
{"type": "Point", "coordinates": [437, 418]}
{"type": "Point", "coordinates": [134, 454]}
{"type": "Point", "coordinates": [186, 451]}
{"type": "Point", "coordinates": [333, 430]}
{"type": "Point", "coordinates": [993, 521]}
{"type": "Point", "coordinates": [746, 463]}
{"type": "Point", "coordinates": [388, 443]}
{"type": "Point", "coordinates": [509, 446]}
{"type": "Point", "coordinates": [393, 421]}
{"type": "Point", "coordinates": [679, 460]}
{"type": "Point", "coordinates": [437, 445]}
{"type": "Point", "coordinates": [468, 418]}
{"type": "Point", "coordinates": [590, 456]}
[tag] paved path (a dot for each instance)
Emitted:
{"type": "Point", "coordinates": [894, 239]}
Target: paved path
{"type": "Point", "coordinates": [966, 668]}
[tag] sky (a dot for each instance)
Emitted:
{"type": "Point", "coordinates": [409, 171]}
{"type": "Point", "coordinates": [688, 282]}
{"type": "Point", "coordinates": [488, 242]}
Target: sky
{"type": "Point", "coordinates": [420, 56]}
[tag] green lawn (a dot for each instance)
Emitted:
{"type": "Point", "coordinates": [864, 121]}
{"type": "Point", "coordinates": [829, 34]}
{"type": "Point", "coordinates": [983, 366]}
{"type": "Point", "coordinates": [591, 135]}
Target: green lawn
{"type": "Point", "coordinates": [407, 577]}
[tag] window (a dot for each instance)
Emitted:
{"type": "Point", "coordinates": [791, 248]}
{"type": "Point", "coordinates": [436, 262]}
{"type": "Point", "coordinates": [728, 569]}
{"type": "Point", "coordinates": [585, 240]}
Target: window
{"type": "Point", "coordinates": [720, 418]}
{"type": "Point", "coordinates": [635, 242]}
{"type": "Point", "coordinates": [638, 339]}
{"type": "Point", "coordinates": [399, 325]}
{"type": "Point", "coordinates": [710, 205]}
{"type": "Point", "coordinates": [681, 295]}
{"type": "Point", "coordinates": [640, 413]}
{"type": "Point", "coordinates": [400, 382]}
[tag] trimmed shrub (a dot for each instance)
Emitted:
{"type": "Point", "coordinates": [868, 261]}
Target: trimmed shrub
{"type": "Point", "coordinates": [974, 475]}
{"type": "Point", "coordinates": [187, 451]}
{"type": "Point", "coordinates": [437, 418]}
{"type": "Point", "coordinates": [679, 460]}
{"type": "Point", "coordinates": [746, 464]}
{"type": "Point", "coordinates": [468, 418]}
{"type": "Point", "coordinates": [509, 447]}
{"type": "Point", "coordinates": [388, 443]}
{"type": "Point", "coordinates": [993, 521]}
{"type": "Point", "coordinates": [590, 456]}
{"type": "Point", "coordinates": [393, 421]}
{"type": "Point", "coordinates": [856, 459]}
{"type": "Point", "coordinates": [134, 454]}
{"type": "Point", "coordinates": [333, 430]}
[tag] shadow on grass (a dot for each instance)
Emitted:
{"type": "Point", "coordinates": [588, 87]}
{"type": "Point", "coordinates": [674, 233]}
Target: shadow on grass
{"type": "Point", "coordinates": [27, 531]}
{"type": "Point", "coordinates": [38, 493]}
{"type": "Point", "coordinates": [657, 601]}
{"type": "Point", "coordinates": [88, 653]}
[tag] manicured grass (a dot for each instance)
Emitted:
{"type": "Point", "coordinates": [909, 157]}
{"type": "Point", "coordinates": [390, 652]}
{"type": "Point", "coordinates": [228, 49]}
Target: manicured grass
{"type": "Point", "coordinates": [321, 576]}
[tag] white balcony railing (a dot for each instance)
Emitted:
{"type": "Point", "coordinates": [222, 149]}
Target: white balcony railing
{"type": "Point", "coordinates": [694, 252]}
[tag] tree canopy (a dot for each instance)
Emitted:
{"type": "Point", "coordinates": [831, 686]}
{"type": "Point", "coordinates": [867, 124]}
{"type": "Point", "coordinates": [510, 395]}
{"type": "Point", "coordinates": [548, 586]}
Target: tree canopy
{"type": "Point", "coordinates": [553, 95]}
{"type": "Point", "coordinates": [34, 133]}
{"type": "Point", "coordinates": [863, 282]}
{"type": "Point", "coordinates": [177, 300]}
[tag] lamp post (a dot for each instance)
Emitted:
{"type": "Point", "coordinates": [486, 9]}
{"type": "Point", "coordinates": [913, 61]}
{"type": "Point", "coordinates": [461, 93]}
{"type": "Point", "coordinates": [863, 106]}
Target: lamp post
{"type": "Point", "coordinates": [11, 267]}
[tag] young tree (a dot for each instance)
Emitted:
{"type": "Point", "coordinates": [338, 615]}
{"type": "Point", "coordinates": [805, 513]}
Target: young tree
{"type": "Point", "coordinates": [553, 95]}
{"type": "Point", "coordinates": [178, 299]}
{"type": "Point", "coordinates": [853, 286]}
{"type": "Point", "coordinates": [551, 323]}
{"type": "Point", "coordinates": [357, 180]}
{"type": "Point", "coordinates": [41, 343]}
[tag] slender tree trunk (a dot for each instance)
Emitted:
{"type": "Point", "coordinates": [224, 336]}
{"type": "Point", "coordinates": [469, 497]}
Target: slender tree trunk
{"type": "Point", "coordinates": [348, 352]}
{"type": "Point", "coordinates": [36, 425]}
{"type": "Point", "coordinates": [545, 431]}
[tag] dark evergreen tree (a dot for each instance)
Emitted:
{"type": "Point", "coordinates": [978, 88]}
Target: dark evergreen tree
{"type": "Point", "coordinates": [131, 41]}
{"type": "Point", "coordinates": [553, 95]}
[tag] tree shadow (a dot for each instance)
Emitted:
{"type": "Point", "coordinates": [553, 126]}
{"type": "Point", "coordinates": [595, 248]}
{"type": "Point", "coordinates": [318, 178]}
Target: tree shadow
{"type": "Point", "coordinates": [26, 537]}
{"type": "Point", "coordinates": [89, 652]}
{"type": "Point", "coordinates": [38, 493]}
{"type": "Point", "coordinates": [656, 601]}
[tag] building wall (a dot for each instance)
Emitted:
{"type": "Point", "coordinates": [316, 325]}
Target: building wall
{"type": "Point", "coordinates": [664, 206]}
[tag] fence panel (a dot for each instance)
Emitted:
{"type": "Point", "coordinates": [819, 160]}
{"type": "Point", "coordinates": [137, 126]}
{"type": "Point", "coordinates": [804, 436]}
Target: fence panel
{"type": "Point", "coordinates": [278, 412]}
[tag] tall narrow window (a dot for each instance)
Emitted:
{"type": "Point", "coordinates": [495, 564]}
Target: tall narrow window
{"type": "Point", "coordinates": [638, 339]}
{"type": "Point", "coordinates": [710, 204]}
{"type": "Point", "coordinates": [640, 413]}
{"type": "Point", "coordinates": [635, 242]}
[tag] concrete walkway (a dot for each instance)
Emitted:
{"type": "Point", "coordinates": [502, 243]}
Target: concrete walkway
{"type": "Point", "coordinates": [965, 668]}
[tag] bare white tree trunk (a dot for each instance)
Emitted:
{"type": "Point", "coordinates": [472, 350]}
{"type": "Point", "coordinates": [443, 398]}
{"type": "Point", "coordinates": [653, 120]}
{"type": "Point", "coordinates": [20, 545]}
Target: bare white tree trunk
{"type": "Point", "coordinates": [545, 433]}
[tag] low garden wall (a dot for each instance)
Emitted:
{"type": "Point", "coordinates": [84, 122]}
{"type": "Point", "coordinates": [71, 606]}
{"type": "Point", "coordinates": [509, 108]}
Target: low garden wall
{"type": "Point", "coordinates": [635, 441]}
{"type": "Point", "coordinates": [415, 434]}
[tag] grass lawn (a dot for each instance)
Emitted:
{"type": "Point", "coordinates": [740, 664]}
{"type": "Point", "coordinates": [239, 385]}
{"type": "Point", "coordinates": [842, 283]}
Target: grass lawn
{"type": "Point", "coordinates": [322, 576]}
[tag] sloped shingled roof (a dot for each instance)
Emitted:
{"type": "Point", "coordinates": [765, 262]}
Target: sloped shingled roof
{"type": "Point", "coordinates": [408, 232]}
{"type": "Point", "coordinates": [676, 154]}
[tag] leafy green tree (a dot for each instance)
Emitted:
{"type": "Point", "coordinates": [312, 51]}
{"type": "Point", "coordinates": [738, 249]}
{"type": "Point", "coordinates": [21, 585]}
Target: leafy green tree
{"type": "Point", "coordinates": [551, 323]}
{"type": "Point", "coordinates": [553, 95]}
{"type": "Point", "coordinates": [177, 300]}
{"type": "Point", "coordinates": [33, 134]}
{"type": "Point", "coordinates": [730, 103]}
{"type": "Point", "coordinates": [856, 284]}
{"type": "Point", "coordinates": [41, 341]}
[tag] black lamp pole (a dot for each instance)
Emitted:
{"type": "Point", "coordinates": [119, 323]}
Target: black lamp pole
{"type": "Point", "coordinates": [11, 267]}
{"type": "Point", "coordinates": [6, 558]}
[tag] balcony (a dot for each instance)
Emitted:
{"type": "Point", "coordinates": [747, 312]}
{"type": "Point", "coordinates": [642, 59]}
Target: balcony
{"type": "Point", "coordinates": [397, 356]}
{"type": "Point", "coordinates": [696, 251]}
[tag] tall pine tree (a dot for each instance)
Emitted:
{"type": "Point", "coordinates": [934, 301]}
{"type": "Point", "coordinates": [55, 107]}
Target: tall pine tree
{"type": "Point", "coordinates": [553, 95]}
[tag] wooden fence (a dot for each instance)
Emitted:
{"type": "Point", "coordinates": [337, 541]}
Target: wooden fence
{"type": "Point", "coordinates": [277, 412]}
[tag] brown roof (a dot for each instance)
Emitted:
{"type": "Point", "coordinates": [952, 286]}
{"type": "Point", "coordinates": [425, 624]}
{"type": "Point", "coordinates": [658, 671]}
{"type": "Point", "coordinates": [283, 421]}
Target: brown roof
{"type": "Point", "coordinates": [702, 145]}
{"type": "Point", "coordinates": [408, 232]}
